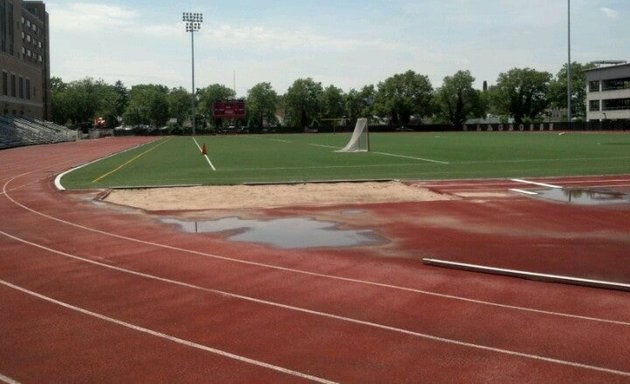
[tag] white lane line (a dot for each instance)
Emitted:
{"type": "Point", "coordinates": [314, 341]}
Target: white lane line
{"type": "Point", "coordinates": [205, 155]}
{"type": "Point", "coordinates": [161, 335]}
{"type": "Point", "coordinates": [538, 184]}
{"type": "Point", "coordinates": [297, 309]}
{"type": "Point", "coordinates": [308, 273]}
{"type": "Point", "coordinates": [316, 313]}
{"type": "Point", "coordinates": [524, 192]}
{"type": "Point", "coordinates": [8, 380]}
{"type": "Point", "coordinates": [411, 158]}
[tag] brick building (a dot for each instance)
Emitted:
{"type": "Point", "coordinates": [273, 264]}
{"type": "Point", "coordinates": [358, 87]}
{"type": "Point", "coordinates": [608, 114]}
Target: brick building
{"type": "Point", "coordinates": [24, 59]}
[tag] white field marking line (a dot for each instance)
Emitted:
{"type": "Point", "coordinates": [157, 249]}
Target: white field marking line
{"type": "Point", "coordinates": [8, 380]}
{"type": "Point", "coordinates": [61, 175]}
{"type": "Point", "coordinates": [538, 160]}
{"type": "Point", "coordinates": [411, 158]}
{"type": "Point", "coordinates": [308, 273]}
{"type": "Point", "coordinates": [161, 335]}
{"type": "Point", "coordinates": [206, 156]}
{"type": "Point", "coordinates": [323, 146]}
{"type": "Point", "coordinates": [536, 183]}
{"type": "Point", "coordinates": [297, 309]}
{"type": "Point", "coordinates": [281, 141]}
{"type": "Point", "coordinates": [131, 160]}
{"type": "Point", "coordinates": [530, 193]}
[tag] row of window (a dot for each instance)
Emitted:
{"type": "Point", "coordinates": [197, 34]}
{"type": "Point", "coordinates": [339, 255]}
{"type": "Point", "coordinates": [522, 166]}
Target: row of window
{"type": "Point", "coordinates": [609, 85]}
{"type": "Point", "coordinates": [609, 105]}
{"type": "Point", "coordinates": [16, 86]}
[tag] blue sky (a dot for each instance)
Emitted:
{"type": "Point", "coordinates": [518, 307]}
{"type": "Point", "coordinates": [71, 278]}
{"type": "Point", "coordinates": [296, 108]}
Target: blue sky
{"type": "Point", "coordinates": [346, 43]}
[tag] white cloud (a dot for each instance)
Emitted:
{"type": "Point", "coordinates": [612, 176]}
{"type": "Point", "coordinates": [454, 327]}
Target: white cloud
{"type": "Point", "coordinates": [90, 17]}
{"type": "Point", "coordinates": [609, 12]}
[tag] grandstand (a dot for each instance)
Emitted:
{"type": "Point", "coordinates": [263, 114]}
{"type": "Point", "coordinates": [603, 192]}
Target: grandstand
{"type": "Point", "coordinates": [21, 131]}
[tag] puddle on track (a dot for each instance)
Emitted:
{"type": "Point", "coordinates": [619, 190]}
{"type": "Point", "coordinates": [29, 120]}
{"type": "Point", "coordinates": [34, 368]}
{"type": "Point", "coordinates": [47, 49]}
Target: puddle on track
{"type": "Point", "coordinates": [286, 233]}
{"type": "Point", "coordinates": [581, 196]}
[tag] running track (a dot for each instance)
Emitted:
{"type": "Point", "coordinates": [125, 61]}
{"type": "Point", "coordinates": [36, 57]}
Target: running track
{"type": "Point", "coordinates": [94, 294]}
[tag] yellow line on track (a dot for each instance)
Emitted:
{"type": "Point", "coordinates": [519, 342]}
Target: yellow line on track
{"type": "Point", "coordinates": [130, 161]}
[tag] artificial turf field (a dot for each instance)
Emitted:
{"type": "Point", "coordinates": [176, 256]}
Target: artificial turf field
{"type": "Point", "coordinates": [312, 157]}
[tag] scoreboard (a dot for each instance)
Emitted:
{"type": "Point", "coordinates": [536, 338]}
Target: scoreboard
{"type": "Point", "coordinates": [229, 109]}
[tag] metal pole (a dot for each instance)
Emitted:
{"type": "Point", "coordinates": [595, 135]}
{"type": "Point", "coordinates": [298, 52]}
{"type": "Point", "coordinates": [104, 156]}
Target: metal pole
{"type": "Point", "coordinates": [194, 94]}
{"type": "Point", "coordinates": [569, 90]}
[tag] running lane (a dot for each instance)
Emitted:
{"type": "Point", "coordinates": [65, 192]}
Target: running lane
{"type": "Point", "coordinates": [92, 293]}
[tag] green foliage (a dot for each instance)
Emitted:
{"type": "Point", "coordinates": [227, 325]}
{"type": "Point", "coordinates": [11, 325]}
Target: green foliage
{"type": "Point", "coordinates": [558, 89]}
{"type": "Point", "coordinates": [360, 103]}
{"type": "Point", "coordinates": [262, 102]}
{"type": "Point", "coordinates": [404, 95]}
{"type": "Point", "coordinates": [457, 100]}
{"type": "Point", "coordinates": [302, 103]}
{"type": "Point", "coordinates": [210, 95]}
{"type": "Point", "coordinates": [180, 104]}
{"type": "Point", "coordinates": [148, 105]}
{"type": "Point", "coordinates": [521, 93]}
{"type": "Point", "coordinates": [80, 102]}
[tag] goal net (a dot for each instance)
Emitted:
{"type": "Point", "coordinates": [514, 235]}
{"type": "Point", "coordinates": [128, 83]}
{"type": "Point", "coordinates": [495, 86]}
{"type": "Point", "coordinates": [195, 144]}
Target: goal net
{"type": "Point", "coordinates": [360, 140]}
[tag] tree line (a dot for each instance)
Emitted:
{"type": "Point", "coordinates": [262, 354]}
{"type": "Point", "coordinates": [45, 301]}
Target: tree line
{"type": "Point", "coordinates": [522, 94]}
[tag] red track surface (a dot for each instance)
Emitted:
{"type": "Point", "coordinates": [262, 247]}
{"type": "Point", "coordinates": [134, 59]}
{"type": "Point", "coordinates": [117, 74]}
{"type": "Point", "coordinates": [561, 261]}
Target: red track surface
{"type": "Point", "coordinates": [89, 293]}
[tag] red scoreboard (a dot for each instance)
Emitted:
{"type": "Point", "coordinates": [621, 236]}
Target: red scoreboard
{"type": "Point", "coordinates": [229, 109]}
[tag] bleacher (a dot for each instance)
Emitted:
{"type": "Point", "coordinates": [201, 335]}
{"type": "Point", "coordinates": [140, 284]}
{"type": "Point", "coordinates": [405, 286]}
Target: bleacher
{"type": "Point", "coordinates": [21, 131]}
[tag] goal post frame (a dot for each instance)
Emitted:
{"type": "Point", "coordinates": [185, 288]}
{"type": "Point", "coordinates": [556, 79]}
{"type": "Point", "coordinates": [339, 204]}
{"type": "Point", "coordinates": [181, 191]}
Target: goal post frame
{"type": "Point", "coordinates": [360, 140]}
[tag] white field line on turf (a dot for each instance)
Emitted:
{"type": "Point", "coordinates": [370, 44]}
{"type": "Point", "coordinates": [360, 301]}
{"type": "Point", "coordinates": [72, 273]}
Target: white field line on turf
{"type": "Point", "coordinates": [161, 335]}
{"type": "Point", "coordinates": [324, 146]}
{"type": "Point", "coordinates": [206, 156]}
{"type": "Point", "coordinates": [536, 183]}
{"type": "Point", "coordinates": [8, 380]}
{"type": "Point", "coordinates": [287, 307]}
{"type": "Point", "coordinates": [411, 158]}
{"type": "Point", "coordinates": [61, 175]}
{"type": "Point", "coordinates": [303, 272]}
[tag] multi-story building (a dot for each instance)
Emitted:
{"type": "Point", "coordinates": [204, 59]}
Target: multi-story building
{"type": "Point", "coordinates": [608, 96]}
{"type": "Point", "coordinates": [24, 59]}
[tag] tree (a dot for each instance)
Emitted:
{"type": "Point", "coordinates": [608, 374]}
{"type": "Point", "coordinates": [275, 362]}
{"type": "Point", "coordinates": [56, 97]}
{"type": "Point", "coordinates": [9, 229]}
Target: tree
{"type": "Point", "coordinates": [360, 103]}
{"type": "Point", "coordinates": [302, 103]}
{"type": "Point", "coordinates": [404, 95]}
{"type": "Point", "coordinates": [457, 100]}
{"type": "Point", "coordinates": [262, 102]}
{"type": "Point", "coordinates": [148, 105]}
{"type": "Point", "coordinates": [332, 103]}
{"type": "Point", "coordinates": [80, 102]}
{"type": "Point", "coordinates": [558, 89]}
{"type": "Point", "coordinates": [122, 99]}
{"type": "Point", "coordinates": [179, 104]}
{"type": "Point", "coordinates": [521, 93]}
{"type": "Point", "coordinates": [210, 95]}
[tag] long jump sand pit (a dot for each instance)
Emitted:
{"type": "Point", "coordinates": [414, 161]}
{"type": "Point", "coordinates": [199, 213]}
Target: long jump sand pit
{"type": "Point", "coordinates": [271, 196]}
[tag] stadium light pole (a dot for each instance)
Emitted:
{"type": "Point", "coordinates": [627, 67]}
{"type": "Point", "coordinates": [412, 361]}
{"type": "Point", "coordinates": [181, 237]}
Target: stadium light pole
{"type": "Point", "coordinates": [193, 22]}
{"type": "Point", "coordinates": [569, 90]}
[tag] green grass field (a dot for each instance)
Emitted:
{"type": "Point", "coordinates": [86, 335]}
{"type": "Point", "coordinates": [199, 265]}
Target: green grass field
{"type": "Point", "coordinates": [312, 157]}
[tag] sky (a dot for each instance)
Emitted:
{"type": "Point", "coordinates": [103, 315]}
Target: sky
{"type": "Point", "coordinates": [348, 43]}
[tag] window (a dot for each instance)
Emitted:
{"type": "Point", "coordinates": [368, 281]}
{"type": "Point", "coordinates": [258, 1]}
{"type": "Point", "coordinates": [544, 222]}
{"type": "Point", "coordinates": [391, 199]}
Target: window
{"type": "Point", "coordinates": [616, 105]}
{"type": "Point", "coordinates": [593, 86]}
{"type": "Point", "coordinates": [28, 89]}
{"type": "Point", "coordinates": [13, 85]}
{"type": "Point", "coordinates": [593, 106]}
{"type": "Point", "coordinates": [616, 84]}
{"type": "Point", "coordinates": [5, 84]}
{"type": "Point", "coordinates": [21, 87]}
